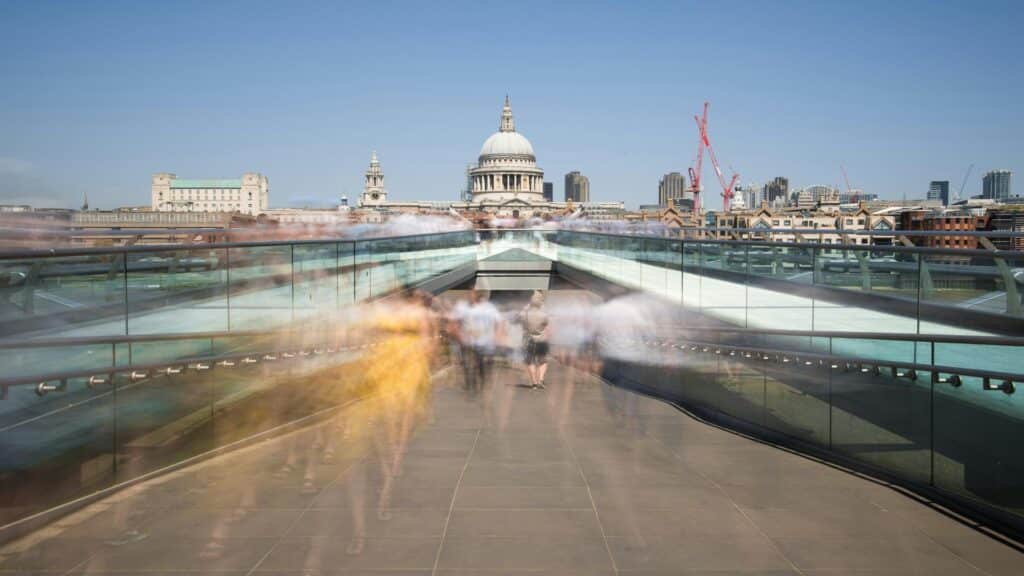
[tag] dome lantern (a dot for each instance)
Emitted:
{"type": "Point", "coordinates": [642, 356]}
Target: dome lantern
{"type": "Point", "coordinates": [507, 123]}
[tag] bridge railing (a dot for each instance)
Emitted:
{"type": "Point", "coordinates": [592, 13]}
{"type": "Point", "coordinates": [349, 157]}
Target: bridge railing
{"type": "Point", "coordinates": [210, 287]}
{"type": "Point", "coordinates": [812, 285]}
{"type": "Point", "coordinates": [173, 352]}
{"type": "Point", "coordinates": [924, 411]}
{"type": "Point", "coordinates": [124, 407]}
{"type": "Point", "coordinates": [901, 359]}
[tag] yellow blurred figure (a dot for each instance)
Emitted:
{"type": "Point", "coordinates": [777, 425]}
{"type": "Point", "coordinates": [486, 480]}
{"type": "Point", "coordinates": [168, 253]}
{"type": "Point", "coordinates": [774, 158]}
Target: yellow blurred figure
{"type": "Point", "coordinates": [398, 366]}
{"type": "Point", "coordinates": [396, 374]}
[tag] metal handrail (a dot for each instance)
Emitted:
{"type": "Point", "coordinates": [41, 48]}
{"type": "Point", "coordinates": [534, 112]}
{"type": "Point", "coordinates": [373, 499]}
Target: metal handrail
{"type": "Point", "coordinates": [157, 366]}
{"type": "Point", "coordinates": [119, 250]}
{"type": "Point", "coordinates": [962, 252]}
{"type": "Point", "coordinates": [800, 354]}
{"type": "Point", "coordinates": [894, 232]}
{"type": "Point", "coordinates": [718, 346]}
{"type": "Point", "coordinates": [134, 338]}
{"type": "Point", "coordinates": [112, 250]}
{"type": "Point", "coordinates": [891, 336]}
{"type": "Point", "coordinates": [73, 230]}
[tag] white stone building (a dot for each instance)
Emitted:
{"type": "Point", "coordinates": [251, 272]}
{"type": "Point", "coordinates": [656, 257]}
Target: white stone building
{"type": "Point", "coordinates": [249, 194]}
{"type": "Point", "coordinates": [374, 193]}
{"type": "Point", "coordinates": [507, 169]}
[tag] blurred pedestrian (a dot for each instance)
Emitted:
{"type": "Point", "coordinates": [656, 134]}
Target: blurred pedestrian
{"type": "Point", "coordinates": [479, 325]}
{"type": "Point", "coordinates": [534, 319]}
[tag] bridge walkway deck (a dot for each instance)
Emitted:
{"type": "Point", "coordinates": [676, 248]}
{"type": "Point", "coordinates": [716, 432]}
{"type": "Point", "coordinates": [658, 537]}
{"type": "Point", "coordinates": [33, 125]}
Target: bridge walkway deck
{"type": "Point", "coordinates": [581, 478]}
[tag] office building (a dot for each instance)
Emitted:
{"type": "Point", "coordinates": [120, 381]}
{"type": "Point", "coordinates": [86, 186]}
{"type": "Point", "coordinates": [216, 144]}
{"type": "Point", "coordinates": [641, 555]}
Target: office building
{"type": "Point", "coordinates": [776, 192]}
{"type": "Point", "coordinates": [856, 195]}
{"type": "Point", "coordinates": [577, 187]}
{"type": "Point", "coordinates": [672, 186]}
{"type": "Point", "coordinates": [996, 185]}
{"type": "Point", "coordinates": [249, 194]}
{"type": "Point", "coordinates": [812, 196]}
{"type": "Point", "coordinates": [939, 190]}
{"type": "Point", "coordinates": [549, 191]}
{"type": "Point", "coordinates": [1007, 220]}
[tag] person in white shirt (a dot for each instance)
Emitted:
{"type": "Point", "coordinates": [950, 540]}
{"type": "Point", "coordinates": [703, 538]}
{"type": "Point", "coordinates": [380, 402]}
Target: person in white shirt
{"type": "Point", "coordinates": [479, 325]}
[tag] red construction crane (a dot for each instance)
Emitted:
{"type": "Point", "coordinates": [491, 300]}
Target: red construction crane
{"type": "Point", "coordinates": [849, 190]}
{"type": "Point", "coordinates": [698, 164]}
{"type": "Point", "coordinates": [960, 193]}
{"type": "Point", "coordinates": [695, 184]}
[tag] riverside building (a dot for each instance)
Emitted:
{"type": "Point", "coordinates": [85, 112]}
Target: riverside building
{"type": "Point", "coordinates": [249, 194]}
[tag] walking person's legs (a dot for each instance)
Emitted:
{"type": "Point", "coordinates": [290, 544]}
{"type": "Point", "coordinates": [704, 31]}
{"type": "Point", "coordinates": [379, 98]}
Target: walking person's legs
{"type": "Point", "coordinates": [541, 363]}
{"type": "Point", "coordinates": [482, 367]}
{"type": "Point", "coordinates": [466, 359]}
{"type": "Point", "coordinates": [531, 364]}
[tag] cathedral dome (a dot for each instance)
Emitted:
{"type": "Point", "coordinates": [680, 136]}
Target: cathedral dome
{"type": "Point", "coordinates": [507, 169]}
{"type": "Point", "coordinates": [506, 143]}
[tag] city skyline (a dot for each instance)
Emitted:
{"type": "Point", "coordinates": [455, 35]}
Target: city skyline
{"type": "Point", "coordinates": [303, 96]}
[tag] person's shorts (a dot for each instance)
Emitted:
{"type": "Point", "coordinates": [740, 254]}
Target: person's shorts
{"type": "Point", "coordinates": [536, 352]}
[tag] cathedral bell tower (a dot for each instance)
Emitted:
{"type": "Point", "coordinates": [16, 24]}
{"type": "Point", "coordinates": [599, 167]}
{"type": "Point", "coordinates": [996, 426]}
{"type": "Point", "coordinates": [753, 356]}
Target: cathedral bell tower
{"type": "Point", "coordinates": [373, 186]}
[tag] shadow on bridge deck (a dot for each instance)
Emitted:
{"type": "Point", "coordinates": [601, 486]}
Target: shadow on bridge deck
{"type": "Point", "coordinates": [582, 478]}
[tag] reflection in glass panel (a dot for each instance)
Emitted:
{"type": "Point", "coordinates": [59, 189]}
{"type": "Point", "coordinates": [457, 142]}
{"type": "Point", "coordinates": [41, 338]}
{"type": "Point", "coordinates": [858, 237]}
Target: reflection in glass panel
{"type": "Point", "coordinates": [56, 446]}
{"type": "Point", "coordinates": [779, 290]}
{"type": "Point", "coordinates": [741, 387]}
{"type": "Point", "coordinates": [865, 290]}
{"type": "Point", "coordinates": [881, 416]}
{"type": "Point", "coordinates": [976, 452]}
{"type": "Point", "coordinates": [65, 296]}
{"type": "Point", "coordinates": [970, 291]}
{"type": "Point", "coordinates": [346, 280]}
{"type": "Point", "coordinates": [316, 279]}
{"type": "Point", "coordinates": [796, 399]}
{"type": "Point", "coordinates": [177, 291]}
{"type": "Point", "coordinates": [162, 418]}
{"type": "Point", "coordinates": [260, 292]}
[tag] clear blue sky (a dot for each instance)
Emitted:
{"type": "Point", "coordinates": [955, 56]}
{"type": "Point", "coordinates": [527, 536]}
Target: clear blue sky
{"type": "Point", "coordinates": [96, 96]}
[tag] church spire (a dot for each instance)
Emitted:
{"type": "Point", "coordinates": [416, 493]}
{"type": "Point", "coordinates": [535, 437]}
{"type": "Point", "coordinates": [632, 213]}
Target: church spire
{"type": "Point", "coordinates": [85, 201]}
{"type": "Point", "coordinates": [507, 123]}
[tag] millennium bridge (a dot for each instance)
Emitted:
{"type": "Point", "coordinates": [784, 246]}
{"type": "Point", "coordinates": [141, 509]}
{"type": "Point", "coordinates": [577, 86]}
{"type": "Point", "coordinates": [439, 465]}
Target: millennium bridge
{"type": "Point", "coordinates": [727, 407]}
